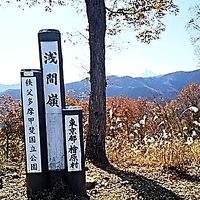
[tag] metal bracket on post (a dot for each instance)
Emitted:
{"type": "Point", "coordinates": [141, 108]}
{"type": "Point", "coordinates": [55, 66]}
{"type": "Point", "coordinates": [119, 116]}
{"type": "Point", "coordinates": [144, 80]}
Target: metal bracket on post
{"type": "Point", "coordinates": [75, 160]}
{"type": "Point", "coordinates": [34, 131]}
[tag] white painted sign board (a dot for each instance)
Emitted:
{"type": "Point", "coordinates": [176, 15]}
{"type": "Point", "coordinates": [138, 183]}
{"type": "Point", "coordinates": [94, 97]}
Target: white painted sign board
{"type": "Point", "coordinates": [31, 124]}
{"type": "Point", "coordinates": [73, 147]}
{"type": "Point", "coordinates": [53, 108]}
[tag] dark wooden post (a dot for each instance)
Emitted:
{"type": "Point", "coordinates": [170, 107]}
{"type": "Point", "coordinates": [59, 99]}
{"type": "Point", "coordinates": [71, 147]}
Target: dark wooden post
{"type": "Point", "coordinates": [54, 97]}
{"type": "Point", "coordinates": [34, 131]}
{"type": "Point", "coordinates": [75, 160]}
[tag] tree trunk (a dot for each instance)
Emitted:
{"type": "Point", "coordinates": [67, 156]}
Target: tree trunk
{"type": "Point", "coordinates": [95, 144]}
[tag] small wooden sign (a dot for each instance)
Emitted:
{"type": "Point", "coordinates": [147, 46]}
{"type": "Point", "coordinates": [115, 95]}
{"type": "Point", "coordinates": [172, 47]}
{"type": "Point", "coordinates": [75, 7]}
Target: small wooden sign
{"type": "Point", "coordinates": [75, 159]}
{"type": "Point", "coordinates": [73, 146]}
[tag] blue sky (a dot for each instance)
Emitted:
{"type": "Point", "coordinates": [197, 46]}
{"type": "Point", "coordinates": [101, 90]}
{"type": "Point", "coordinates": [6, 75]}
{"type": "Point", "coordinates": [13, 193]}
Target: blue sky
{"type": "Point", "coordinates": [19, 45]}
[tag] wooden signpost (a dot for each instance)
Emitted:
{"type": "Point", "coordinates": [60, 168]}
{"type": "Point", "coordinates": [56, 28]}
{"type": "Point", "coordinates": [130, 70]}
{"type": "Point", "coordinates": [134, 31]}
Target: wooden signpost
{"type": "Point", "coordinates": [34, 131]}
{"type": "Point", "coordinates": [54, 96]}
{"type": "Point", "coordinates": [53, 134]}
{"type": "Point", "coordinates": [75, 160]}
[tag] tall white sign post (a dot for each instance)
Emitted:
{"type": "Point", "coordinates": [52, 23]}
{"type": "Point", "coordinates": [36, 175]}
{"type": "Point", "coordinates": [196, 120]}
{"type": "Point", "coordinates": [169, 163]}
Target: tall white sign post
{"type": "Point", "coordinates": [54, 97]}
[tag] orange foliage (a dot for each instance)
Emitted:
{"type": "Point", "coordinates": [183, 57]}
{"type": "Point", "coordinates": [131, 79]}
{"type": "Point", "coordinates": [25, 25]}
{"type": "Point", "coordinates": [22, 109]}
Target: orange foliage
{"type": "Point", "coordinates": [122, 114]}
{"type": "Point", "coordinates": [11, 129]}
{"type": "Point", "coordinates": [138, 132]}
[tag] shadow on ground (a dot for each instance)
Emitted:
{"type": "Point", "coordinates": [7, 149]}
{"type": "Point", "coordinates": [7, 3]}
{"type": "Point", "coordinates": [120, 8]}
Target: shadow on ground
{"type": "Point", "coordinates": [183, 174]}
{"type": "Point", "coordinates": [148, 189]}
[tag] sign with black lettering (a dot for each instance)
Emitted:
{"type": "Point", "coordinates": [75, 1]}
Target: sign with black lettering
{"type": "Point", "coordinates": [75, 159]}
{"type": "Point", "coordinates": [73, 143]}
{"type": "Point", "coordinates": [31, 124]}
{"type": "Point", "coordinates": [51, 65]}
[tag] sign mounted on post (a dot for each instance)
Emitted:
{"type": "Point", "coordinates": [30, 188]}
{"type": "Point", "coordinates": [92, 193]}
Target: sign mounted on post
{"type": "Point", "coordinates": [34, 131]}
{"type": "Point", "coordinates": [73, 146]}
{"type": "Point", "coordinates": [53, 83]}
{"type": "Point", "coordinates": [75, 159]}
{"type": "Point", "coordinates": [31, 124]}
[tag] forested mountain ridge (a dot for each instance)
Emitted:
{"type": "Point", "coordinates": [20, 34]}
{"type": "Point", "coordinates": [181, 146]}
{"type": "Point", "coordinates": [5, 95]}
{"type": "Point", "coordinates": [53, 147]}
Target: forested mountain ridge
{"type": "Point", "coordinates": [166, 86]}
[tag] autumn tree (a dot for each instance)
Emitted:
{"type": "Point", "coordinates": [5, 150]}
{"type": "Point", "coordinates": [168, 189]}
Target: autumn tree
{"type": "Point", "coordinates": [10, 129]}
{"type": "Point", "coordinates": [143, 16]}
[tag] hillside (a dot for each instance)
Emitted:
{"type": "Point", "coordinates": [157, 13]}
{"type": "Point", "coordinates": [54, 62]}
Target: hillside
{"type": "Point", "coordinates": [166, 86]}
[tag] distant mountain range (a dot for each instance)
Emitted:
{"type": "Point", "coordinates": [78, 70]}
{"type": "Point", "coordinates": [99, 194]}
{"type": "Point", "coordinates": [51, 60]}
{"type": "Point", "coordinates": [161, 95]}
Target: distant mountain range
{"type": "Point", "coordinates": [8, 87]}
{"type": "Point", "coordinates": [166, 86]}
